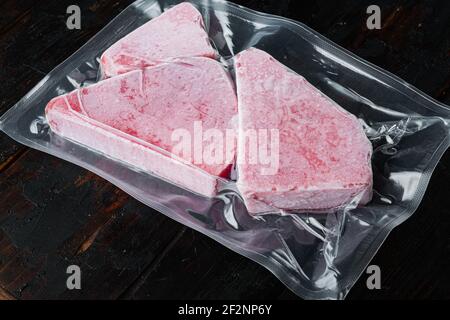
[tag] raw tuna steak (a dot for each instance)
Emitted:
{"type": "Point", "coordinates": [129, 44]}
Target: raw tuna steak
{"type": "Point", "coordinates": [176, 33]}
{"type": "Point", "coordinates": [324, 155]}
{"type": "Point", "coordinates": [132, 117]}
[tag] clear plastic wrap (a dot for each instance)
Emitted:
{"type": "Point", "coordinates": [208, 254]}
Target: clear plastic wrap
{"type": "Point", "coordinates": [318, 256]}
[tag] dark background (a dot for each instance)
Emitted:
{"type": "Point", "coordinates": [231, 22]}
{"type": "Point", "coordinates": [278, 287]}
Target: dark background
{"type": "Point", "coordinates": [54, 214]}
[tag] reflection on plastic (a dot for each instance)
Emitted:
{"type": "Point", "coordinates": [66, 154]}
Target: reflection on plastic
{"type": "Point", "coordinates": [316, 255]}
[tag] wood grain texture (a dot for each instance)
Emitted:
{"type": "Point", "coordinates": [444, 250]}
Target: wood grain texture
{"type": "Point", "coordinates": [5, 295]}
{"type": "Point", "coordinates": [53, 214]}
{"type": "Point", "coordinates": [197, 268]}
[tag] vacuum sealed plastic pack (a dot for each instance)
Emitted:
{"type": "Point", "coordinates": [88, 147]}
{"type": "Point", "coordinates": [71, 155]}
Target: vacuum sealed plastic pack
{"type": "Point", "coordinates": [318, 254]}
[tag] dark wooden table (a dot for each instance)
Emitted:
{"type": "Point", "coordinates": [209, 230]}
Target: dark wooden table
{"type": "Point", "coordinates": [54, 214]}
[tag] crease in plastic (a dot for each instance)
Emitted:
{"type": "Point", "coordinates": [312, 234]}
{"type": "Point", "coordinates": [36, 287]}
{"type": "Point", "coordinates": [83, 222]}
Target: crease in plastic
{"type": "Point", "coordinates": [317, 256]}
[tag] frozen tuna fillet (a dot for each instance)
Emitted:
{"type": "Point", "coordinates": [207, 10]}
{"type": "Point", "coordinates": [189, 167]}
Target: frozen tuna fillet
{"type": "Point", "coordinates": [324, 154]}
{"type": "Point", "coordinates": [133, 118]}
{"type": "Point", "coordinates": [178, 32]}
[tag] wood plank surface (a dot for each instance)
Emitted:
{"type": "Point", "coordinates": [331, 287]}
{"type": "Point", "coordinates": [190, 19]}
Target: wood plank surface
{"type": "Point", "coordinates": [54, 214]}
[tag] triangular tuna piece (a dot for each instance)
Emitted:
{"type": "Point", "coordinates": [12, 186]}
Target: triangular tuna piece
{"type": "Point", "coordinates": [323, 153]}
{"type": "Point", "coordinates": [133, 117]}
{"type": "Point", "coordinates": [178, 32]}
